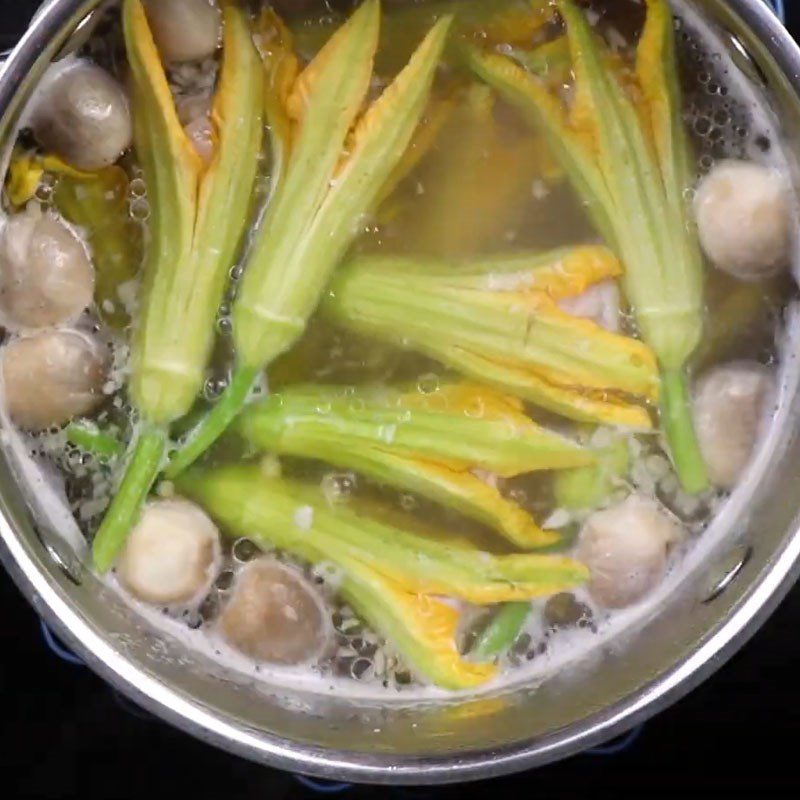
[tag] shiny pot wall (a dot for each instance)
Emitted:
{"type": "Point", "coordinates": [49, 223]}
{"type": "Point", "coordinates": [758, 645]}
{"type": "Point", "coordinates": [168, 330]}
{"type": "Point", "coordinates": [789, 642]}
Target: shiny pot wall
{"type": "Point", "coordinates": [753, 558]}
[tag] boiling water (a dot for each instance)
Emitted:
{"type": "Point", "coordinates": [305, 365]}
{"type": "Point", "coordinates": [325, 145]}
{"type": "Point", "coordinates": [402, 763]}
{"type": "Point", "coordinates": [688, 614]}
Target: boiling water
{"type": "Point", "coordinates": [482, 188]}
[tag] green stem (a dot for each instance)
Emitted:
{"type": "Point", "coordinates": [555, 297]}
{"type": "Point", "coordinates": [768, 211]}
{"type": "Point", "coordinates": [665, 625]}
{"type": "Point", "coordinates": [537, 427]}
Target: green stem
{"type": "Point", "coordinates": [216, 422]}
{"type": "Point", "coordinates": [677, 423]}
{"type": "Point", "coordinates": [140, 474]}
{"type": "Point", "coordinates": [501, 632]}
{"type": "Point", "coordinates": [90, 438]}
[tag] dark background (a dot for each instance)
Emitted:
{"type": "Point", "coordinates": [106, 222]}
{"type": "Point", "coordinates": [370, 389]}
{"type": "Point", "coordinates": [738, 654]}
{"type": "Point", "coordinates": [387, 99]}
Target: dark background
{"type": "Point", "coordinates": [66, 735]}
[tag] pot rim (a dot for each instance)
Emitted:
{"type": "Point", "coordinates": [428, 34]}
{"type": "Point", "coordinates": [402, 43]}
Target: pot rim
{"type": "Point", "coordinates": [46, 35]}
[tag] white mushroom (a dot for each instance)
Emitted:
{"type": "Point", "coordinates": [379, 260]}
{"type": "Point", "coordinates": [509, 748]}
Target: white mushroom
{"type": "Point", "coordinates": [625, 548]}
{"type": "Point", "coordinates": [83, 116]}
{"type": "Point", "coordinates": [730, 405]}
{"type": "Point", "coordinates": [46, 277]}
{"type": "Point", "coordinates": [172, 555]}
{"type": "Point", "coordinates": [51, 377]}
{"type": "Point", "coordinates": [184, 30]}
{"type": "Point", "coordinates": [744, 218]}
{"type": "Point", "coordinates": [194, 112]}
{"type": "Point", "coordinates": [275, 615]}
{"type": "Point", "coordinates": [599, 303]}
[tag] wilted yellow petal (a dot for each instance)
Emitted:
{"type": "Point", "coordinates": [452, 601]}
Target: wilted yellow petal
{"type": "Point", "coordinates": [422, 628]}
{"type": "Point", "coordinates": [583, 111]}
{"type": "Point", "coordinates": [640, 362]}
{"type": "Point", "coordinates": [570, 272]}
{"type": "Point", "coordinates": [573, 146]}
{"type": "Point", "coordinates": [579, 269]}
{"type": "Point", "coordinates": [153, 92]}
{"type": "Point", "coordinates": [24, 175]}
{"type": "Point", "coordinates": [470, 399]}
{"type": "Point", "coordinates": [281, 66]}
{"type": "Point", "coordinates": [406, 96]}
{"type": "Point", "coordinates": [652, 56]}
{"type": "Point", "coordinates": [480, 500]}
{"type": "Point", "coordinates": [581, 405]}
{"type": "Point", "coordinates": [346, 44]}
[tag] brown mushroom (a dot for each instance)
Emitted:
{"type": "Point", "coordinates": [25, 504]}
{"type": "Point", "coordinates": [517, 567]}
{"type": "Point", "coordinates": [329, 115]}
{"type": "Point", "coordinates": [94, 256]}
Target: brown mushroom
{"type": "Point", "coordinates": [275, 615]}
{"type": "Point", "coordinates": [84, 117]}
{"type": "Point", "coordinates": [172, 555]}
{"type": "Point", "coordinates": [51, 377]}
{"type": "Point", "coordinates": [46, 276]}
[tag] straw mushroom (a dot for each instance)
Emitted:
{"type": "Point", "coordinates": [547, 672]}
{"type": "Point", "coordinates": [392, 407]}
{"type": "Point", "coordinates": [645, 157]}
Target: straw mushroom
{"type": "Point", "coordinates": [46, 277]}
{"type": "Point", "coordinates": [184, 30]}
{"type": "Point", "coordinates": [51, 377]}
{"type": "Point", "coordinates": [84, 117]}
{"type": "Point", "coordinates": [275, 615]}
{"type": "Point", "coordinates": [172, 555]}
{"type": "Point", "coordinates": [730, 404]}
{"type": "Point", "coordinates": [599, 303]}
{"type": "Point", "coordinates": [744, 218]}
{"type": "Point", "coordinates": [194, 112]}
{"type": "Point", "coordinates": [625, 548]}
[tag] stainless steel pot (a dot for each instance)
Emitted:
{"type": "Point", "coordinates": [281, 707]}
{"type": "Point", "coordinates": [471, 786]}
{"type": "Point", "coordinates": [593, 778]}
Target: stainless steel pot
{"type": "Point", "coordinates": [753, 559]}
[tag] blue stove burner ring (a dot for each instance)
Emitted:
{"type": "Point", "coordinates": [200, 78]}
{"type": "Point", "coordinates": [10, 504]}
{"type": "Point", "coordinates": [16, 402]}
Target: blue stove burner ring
{"type": "Point", "coordinates": [778, 6]}
{"type": "Point", "coordinates": [58, 648]}
{"type": "Point", "coordinates": [322, 787]}
{"type": "Point", "coordinates": [132, 708]}
{"type": "Point", "coordinates": [619, 745]}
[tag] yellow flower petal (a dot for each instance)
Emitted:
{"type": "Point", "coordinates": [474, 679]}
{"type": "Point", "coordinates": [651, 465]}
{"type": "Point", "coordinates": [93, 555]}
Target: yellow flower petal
{"type": "Point", "coordinates": [583, 406]}
{"type": "Point", "coordinates": [421, 627]}
{"type": "Point", "coordinates": [24, 175]}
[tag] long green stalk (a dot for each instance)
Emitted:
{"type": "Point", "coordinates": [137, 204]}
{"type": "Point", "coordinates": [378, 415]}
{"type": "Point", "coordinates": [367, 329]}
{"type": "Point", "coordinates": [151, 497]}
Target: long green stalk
{"type": "Point", "coordinates": [676, 417]}
{"type": "Point", "coordinates": [198, 216]}
{"type": "Point", "coordinates": [215, 423]}
{"type": "Point", "coordinates": [632, 165]}
{"type": "Point", "coordinates": [316, 211]}
{"type": "Point", "coordinates": [501, 631]}
{"type": "Point", "coordinates": [91, 439]}
{"type": "Point", "coordinates": [140, 473]}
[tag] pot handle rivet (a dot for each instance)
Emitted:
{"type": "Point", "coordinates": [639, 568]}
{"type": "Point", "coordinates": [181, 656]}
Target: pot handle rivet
{"type": "Point", "coordinates": [66, 561]}
{"type": "Point", "coordinates": [726, 572]}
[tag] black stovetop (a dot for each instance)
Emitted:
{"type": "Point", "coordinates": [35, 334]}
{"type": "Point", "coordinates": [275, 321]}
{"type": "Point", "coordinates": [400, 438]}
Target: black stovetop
{"type": "Point", "coordinates": [67, 735]}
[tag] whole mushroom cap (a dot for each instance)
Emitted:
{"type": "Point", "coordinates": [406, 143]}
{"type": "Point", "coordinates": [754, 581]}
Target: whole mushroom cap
{"type": "Point", "coordinates": [52, 377]}
{"type": "Point", "coordinates": [275, 615]}
{"type": "Point", "coordinates": [84, 117]}
{"type": "Point", "coordinates": [184, 30]}
{"type": "Point", "coordinates": [730, 405]}
{"type": "Point", "coordinates": [172, 555]}
{"type": "Point", "coordinates": [46, 276]}
{"type": "Point", "coordinates": [744, 219]}
{"type": "Point", "coordinates": [625, 548]}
